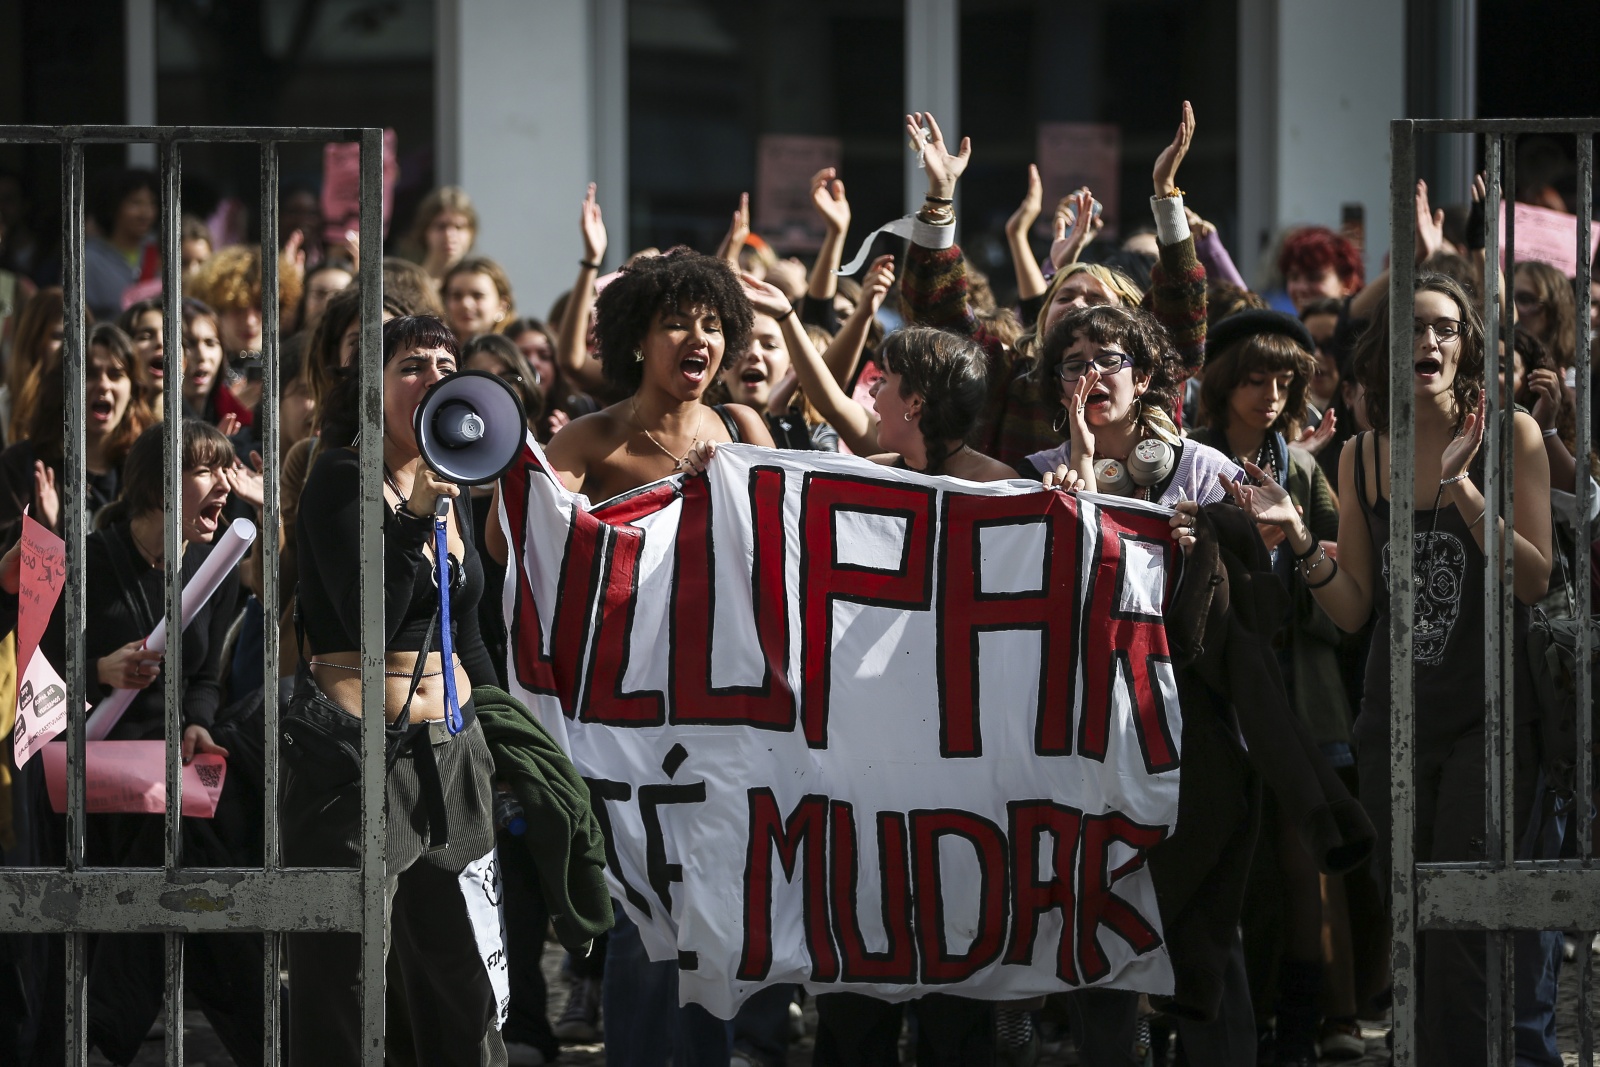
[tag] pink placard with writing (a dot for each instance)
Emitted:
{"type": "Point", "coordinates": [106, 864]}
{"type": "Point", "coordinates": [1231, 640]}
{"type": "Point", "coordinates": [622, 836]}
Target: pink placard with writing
{"type": "Point", "coordinates": [41, 694]}
{"type": "Point", "coordinates": [341, 186]}
{"type": "Point", "coordinates": [1072, 154]}
{"type": "Point", "coordinates": [1545, 236]}
{"type": "Point", "coordinates": [131, 776]}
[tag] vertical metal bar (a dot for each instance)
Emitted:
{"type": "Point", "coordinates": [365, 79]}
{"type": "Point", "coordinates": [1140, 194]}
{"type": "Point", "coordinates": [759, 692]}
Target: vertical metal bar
{"type": "Point", "coordinates": [172, 539]}
{"type": "Point", "coordinates": [73, 599]}
{"type": "Point", "coordinates": [1494, 779]}
{"type": "Point", "coordinates": [1585, 607]}
{"type": "Point", "coordinates": [267, 545]}
{"type": "Point", "coordinates": [1402, 520]}
{"type": "Point", "coordinates": [1502, 979]}
{"type": "Point", "coordinates": [373, 875]}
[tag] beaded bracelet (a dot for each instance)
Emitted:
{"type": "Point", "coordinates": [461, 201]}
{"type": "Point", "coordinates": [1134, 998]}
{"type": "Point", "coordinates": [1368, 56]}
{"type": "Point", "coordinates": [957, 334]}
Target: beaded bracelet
{"type": "Point", "coordinates": [1463, 476]}
{"type": "Point", "coordinates": [930, 198]}
{"type": "Point", "coordinates": [1305, 570]}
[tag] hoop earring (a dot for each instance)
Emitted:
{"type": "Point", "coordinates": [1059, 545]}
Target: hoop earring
{"type": "Point", "coordinates": [1058, 424]}
{"type": "Point", "coordinates": [1137, 411]}
{"type": "Point", "coordinates": [906, 416]}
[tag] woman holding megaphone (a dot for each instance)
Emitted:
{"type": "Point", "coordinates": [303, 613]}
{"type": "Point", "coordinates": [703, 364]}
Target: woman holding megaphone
{"type": "Point", "coordinates": [438, 785]}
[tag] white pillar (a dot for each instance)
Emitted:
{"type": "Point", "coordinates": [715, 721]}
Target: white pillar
{"type": "Point", "coordinates": [516, 90]}
{"type": "Point", "coordinates": [1313, 137]}
{"type": "Point", "coordinates": [139, 44]}
{"type": "Point", "coordinates": [933, 82]}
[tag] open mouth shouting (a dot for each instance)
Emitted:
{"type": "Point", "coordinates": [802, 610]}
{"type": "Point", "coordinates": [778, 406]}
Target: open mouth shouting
{"type": "Point", "coordinates": [1099, 399]}
{"type": "Point", "coordinates": [158, 369]}
{"type": "Point", "coordinates": [1428, 368]}
{"type": "Point", "coordinates": [101, 411]}
{"type": "Point", "coordinates": [210, 515]}
{"type": "Point", "coordinates": [694, 368]}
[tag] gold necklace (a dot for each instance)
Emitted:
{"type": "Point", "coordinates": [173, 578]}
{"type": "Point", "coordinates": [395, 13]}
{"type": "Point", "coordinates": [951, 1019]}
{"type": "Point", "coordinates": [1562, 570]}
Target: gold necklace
{"type": "Point", "coordinates": [678, 461]}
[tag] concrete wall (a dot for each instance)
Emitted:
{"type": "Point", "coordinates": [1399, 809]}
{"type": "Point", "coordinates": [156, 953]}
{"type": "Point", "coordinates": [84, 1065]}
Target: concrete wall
{"type": "Point", "coordinates": [519, 127]}
{"type": "Point", "coordinates": [1319, 83]}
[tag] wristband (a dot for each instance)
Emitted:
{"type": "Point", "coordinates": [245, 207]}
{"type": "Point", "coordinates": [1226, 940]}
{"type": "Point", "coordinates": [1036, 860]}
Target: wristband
{"type": "Point", "coordinates": [930, 198]}
{"type": "Point", "coordinates": [1463, 476]}
{"type": "Point", "coordinates": [785, 315]}
{"type": "Point", "coordinates": [1331, 576]}
{"type": "Point", "coordinates": [1551, 432]}
{"type": "Point", "coordinates": [586, 263]}
{"type": "Point", "coordinates": [1311, 550]}
{"type": "Point", "coordinates": [926, 234]}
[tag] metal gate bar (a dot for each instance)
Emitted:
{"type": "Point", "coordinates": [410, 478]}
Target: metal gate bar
{"type": "Point", "coordinates": [176, 900]}
{"type": "Point", "coordinates": [1501, 894]}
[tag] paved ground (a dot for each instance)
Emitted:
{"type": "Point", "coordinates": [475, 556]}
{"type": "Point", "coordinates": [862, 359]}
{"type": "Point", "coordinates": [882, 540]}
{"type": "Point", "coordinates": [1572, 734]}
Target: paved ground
{"type": "Point", "coordinates": [203, 1050]}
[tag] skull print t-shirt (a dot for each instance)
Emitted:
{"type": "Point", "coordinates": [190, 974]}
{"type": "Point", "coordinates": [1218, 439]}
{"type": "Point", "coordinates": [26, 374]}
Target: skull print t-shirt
{"type": "Point", "coordinates": [1447, 636]}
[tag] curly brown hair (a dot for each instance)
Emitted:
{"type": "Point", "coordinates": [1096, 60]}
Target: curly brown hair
{"type": "Point", "coordinates": [680, 278]}
{"type": "Point", "coordinates": [231, 280]}
{"type": "Point", "coordinates": [1146, 342]}
{"type": "Point", "coordinates": [1372, 353]}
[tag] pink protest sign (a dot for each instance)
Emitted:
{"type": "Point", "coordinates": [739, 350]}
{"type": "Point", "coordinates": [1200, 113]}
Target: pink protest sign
{"type": "Point", "coordinates": [784, 166]}
{"type": "Point", "coordinates": [341, 185]}
{"type": "Point", "coordinates": [41, 694]}
{"type": "Point", "coordinates": [131, 776]}
{"type": "Point", "coordinates": [1545, 236]}
{"type": "Point", "coordinates": [1072, 154]}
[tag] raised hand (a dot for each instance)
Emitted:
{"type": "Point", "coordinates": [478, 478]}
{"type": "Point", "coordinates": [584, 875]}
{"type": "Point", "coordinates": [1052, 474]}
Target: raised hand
{"type": "Point", "coordinates": [1315, 438]}
{"type": "Point", "coordinates": [1197, 225]}
{"type": "Point", "coordinates": [1549, 390]}
{"type": "Point", "coordinates": [1166, 169]}
{"type": "Point", "coordinates": [1430, 224]}
{"type": "Point", "coordinates": [247, 483]}
{"type": "Point", "coordinates": [1261, 497]}
{"type": "Point", "coordinates": [1076, 225]}
{"type": "Point", "coordinates": [738, 233]}
{"type": "Point", "coordinates": [1459, 453]}
{"type": "Point", "coordinates": [943, 168]}
{"type": "Point", "coordinates": [765, 297]}
{"type": "Point", "coordinates": [1027, 212]}
{"type": "Point", "coordinates": [593, 228]}
{"type": "Point", "coordinates": [827, 196]}
{"type": "Point", "coordinates": [46, 495]}
{"type": "Point", "coordinates": [879, 280]}
{"type": "Point", "coordinates": [1082, 435]}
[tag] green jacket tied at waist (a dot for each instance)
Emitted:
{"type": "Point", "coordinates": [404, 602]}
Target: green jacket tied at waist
{"type": "Point", "coordinates": [563, 833]}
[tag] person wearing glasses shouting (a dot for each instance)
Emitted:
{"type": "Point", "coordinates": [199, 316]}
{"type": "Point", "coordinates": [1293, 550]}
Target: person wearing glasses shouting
{"type": "Point", "coordinates": [1350, 582]}
{"type": "Point", "coordinates": [1116, 374]}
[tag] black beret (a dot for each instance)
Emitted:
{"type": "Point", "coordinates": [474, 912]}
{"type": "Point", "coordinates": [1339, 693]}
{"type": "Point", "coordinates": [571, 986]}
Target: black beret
{"type": "Point", "coordinates": [1253, 321]}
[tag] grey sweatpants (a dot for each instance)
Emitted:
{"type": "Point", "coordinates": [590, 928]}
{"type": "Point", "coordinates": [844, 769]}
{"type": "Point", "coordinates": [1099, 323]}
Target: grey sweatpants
{"type": "Point", "coordinates": [444, 1011]}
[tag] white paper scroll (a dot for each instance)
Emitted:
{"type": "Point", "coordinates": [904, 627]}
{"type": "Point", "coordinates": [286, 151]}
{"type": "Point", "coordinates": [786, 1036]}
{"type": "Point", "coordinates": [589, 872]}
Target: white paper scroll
{"type": "Point", "coordinates": [912, 229]}
{"type": "Point", "coordinates": [229, 550]}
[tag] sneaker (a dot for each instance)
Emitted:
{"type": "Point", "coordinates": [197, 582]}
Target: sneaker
{"type": "Point", "coordinates": [522, 1055]}
{"type": "Point", "coordinates": [580, 1019]}
{"type": "Point", "coordinates": [1342, 1040]}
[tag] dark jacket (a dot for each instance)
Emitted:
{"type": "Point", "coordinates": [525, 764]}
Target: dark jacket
{"type": "Point", "coordinates": [563, 833]}
{"type": "Point", "coordinates": [1238, 734]}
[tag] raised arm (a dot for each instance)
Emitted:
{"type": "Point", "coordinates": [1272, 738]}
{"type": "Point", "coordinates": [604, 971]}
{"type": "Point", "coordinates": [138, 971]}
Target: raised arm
{"type": "Point", "coordinates": [845, 351]}
{"type": "Point", "coordinates": [1030, 279]}
{"type": "Point", "coordinates": [827, 196]}
{"type": "Point", "coordinates": [1178, 281]}
{"type": "Point", "coordinates": [1430, 236]}
{"type": "Point", "coordinates": [857, 427]}
{"type": "Point", "coordinates": [934, 289]}
{"type": "Point", "coordinates": [572, 336]}
{"type": "Point", "coordinates": [738, 233]}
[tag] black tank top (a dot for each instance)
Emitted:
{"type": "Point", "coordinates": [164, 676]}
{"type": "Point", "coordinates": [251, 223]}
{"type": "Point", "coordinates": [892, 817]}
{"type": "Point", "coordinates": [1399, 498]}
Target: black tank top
{"type": "Point", "coordinates": [1447, 641]}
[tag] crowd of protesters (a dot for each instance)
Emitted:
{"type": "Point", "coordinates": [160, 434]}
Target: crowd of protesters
{"type": "Point", "coordinates": [1148, 368]}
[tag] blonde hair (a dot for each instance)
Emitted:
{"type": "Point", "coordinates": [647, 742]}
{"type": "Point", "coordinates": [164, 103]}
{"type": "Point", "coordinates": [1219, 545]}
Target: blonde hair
{"type": "Point", "coordinates": [1125, 288]}
{"type": "Point", "coordinates": [230, 280]}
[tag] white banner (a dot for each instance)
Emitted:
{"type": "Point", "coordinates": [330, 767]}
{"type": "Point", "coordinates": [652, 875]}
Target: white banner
{"type": "Point", "coordinates": [857, 727]}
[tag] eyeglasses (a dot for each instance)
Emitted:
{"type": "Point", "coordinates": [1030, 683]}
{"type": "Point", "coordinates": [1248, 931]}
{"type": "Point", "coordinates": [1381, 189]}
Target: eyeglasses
{"type": "Point", "coordinates": [1443, 329]}
{"type": "Point", "coordinates": [1105, 363]}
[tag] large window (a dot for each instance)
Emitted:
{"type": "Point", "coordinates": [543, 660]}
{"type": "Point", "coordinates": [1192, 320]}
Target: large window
{"type": "Point", "coordinates": [713, 82]}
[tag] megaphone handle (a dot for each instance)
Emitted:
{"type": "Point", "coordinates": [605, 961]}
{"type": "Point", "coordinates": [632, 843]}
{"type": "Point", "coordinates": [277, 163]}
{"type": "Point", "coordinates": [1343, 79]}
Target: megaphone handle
{"type": "Point", "coordinates": [441, 562]}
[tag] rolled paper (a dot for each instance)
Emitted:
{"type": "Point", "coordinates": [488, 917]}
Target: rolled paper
{"type": "Point", "coordinates": [229, 550]}
{"type": "Point", "coordinates": [912, 229]}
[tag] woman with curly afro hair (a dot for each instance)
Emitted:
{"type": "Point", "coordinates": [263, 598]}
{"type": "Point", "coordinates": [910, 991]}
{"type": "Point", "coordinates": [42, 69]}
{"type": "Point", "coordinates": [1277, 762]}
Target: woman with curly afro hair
{"type": "Point", "coordinates": [663, 327]}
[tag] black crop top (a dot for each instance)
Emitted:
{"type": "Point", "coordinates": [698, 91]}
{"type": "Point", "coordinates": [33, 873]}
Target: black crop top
{"type": "Point", "coordinates": [329, 591]}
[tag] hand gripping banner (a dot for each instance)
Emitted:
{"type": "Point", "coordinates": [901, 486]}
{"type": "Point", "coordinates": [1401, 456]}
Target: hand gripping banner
{"type": "Point", "coordinates": [856, 727]}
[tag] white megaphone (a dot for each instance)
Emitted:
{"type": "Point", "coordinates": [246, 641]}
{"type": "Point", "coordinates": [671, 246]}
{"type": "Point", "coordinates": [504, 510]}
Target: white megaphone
{"type": "Point", "coordinates": [470, 427]}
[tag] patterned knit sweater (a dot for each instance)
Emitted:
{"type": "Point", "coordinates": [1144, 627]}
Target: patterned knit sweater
{"type": "Point", "coordinates": [1016, 419]}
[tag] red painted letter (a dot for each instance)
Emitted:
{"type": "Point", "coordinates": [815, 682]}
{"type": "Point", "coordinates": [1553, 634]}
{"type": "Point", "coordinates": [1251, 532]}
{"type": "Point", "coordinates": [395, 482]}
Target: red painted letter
{"type": "Point", "coordinates": [807, 825]}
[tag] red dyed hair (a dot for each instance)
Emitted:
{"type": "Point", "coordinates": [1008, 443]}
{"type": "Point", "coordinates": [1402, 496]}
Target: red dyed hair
{"type": "Point", "coordinates": [1315, 248]}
